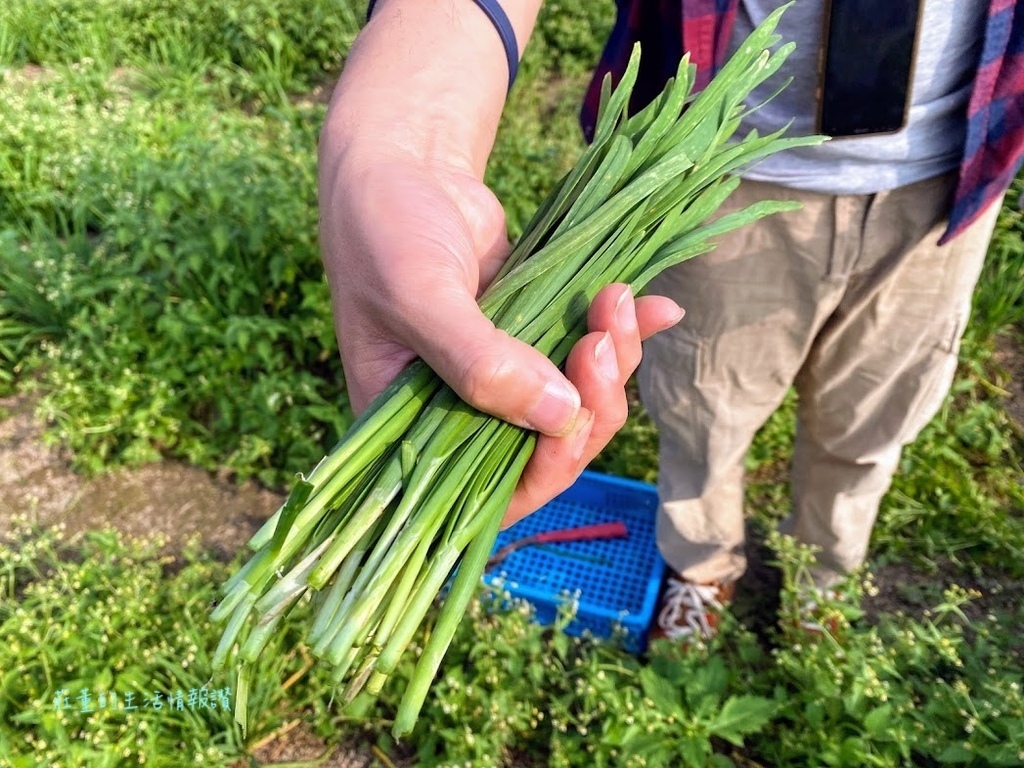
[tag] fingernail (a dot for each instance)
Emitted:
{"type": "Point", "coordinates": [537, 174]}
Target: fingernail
{"type": "Point", "coordinates": [681, 313]}
{"type": "Point", "coordinates": [556, 410]}
{"type": "Point", "coordinates": [625, 312]}
{"type": "Point", "coordinates": [604, 356]}
{"type": "Point", "coordinates": [582, 435]}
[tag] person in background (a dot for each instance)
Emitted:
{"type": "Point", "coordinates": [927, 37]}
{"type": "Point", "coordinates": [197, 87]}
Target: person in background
{"type": "Point", "coordinates": [858, 300]}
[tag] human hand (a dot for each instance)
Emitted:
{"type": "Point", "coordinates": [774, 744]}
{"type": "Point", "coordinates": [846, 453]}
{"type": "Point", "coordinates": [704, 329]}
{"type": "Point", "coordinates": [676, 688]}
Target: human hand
{"type": "Point", "coordinates": [411, 236]}
{"type": "Point", "coordinates": [599, 366]}
{"type": "Point", "coordinates": [408, 247]}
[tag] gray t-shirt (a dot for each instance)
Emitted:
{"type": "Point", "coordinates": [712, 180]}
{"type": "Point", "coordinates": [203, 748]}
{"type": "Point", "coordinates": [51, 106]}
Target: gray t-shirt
{"type": "Point", "coordinates": [930, 144]}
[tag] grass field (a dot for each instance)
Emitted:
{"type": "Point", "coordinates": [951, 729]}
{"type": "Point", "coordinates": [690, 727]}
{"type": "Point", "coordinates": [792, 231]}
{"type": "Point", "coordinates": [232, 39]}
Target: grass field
{"type": "Point", "coordinates": [161, 299]}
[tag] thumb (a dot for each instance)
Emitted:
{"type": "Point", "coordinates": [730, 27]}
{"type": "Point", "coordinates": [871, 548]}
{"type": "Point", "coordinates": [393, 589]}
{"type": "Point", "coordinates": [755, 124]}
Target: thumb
{"type": "Point", "coordinates": [496, 373]}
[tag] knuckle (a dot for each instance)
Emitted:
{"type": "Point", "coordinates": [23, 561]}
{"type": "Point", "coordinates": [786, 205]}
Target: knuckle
{"type": "Point", "coordinates": [617, 416]}
{"type": "Point", "coordinates": [633, 355]}
{"type": "Point", "coordinates": [481, 377]}
{"type": "Point", "coordinates": [616, 424]}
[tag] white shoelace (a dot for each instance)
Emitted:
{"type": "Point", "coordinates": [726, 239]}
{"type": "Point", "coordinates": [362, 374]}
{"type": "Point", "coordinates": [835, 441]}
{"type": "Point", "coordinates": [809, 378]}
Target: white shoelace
{"type": "Point", "coordinates": [685, 608]}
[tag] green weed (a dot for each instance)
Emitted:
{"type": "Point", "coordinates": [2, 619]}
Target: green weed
{"type": "Point", "coordinates": [99, 644]}
{"type": "Point", "coordinates": [175, 254]}
{"type": "Point", "coordinates": [256, 51]}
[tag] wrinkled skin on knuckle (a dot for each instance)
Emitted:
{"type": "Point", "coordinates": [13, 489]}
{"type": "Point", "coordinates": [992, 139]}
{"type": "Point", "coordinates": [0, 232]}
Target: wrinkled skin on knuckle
{"type": "Point", "coordinates": [617, 423]}
{"type": "Point", "coordinates": [484, 376]}
{"type": "Point", "coordinates": [617, 416]}
{"type": "Point", "coordinates": [634, 354]}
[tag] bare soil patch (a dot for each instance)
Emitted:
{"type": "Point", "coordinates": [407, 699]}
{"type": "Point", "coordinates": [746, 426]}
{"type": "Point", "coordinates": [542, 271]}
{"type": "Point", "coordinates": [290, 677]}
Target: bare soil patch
{"type": "Point", "coordinates": [297, 744]}
{"type": "Point", "coordinates": [170, 499]}
{"type": "Point", "coordinates": [1009, 356]}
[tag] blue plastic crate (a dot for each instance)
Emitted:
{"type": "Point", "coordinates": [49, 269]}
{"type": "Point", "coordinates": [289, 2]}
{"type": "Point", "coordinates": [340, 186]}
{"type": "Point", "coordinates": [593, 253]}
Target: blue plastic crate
{"type": "Point", "coordinates": [614, 581]}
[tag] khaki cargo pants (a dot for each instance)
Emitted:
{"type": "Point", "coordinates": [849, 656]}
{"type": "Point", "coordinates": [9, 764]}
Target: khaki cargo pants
{"type": "Point", "coordinates": [849, 299]}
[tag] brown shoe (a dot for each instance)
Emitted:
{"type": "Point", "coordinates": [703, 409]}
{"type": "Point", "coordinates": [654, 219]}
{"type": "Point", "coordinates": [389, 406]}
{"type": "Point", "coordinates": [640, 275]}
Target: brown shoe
{"type": "Point", "coordinates": [687, 611]}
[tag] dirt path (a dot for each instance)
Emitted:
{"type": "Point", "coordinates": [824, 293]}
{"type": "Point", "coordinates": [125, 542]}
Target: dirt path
{"type": "Point", "coordinates": [170, 498]}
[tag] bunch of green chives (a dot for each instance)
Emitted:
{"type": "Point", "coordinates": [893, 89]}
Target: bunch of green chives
{"type": "Point", "coordinates": [417, 488]}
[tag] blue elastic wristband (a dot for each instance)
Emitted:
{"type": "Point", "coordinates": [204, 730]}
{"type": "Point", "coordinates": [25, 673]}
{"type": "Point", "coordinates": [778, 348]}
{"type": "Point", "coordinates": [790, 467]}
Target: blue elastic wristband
{"type": "Point", "coordinates": [499, 19]}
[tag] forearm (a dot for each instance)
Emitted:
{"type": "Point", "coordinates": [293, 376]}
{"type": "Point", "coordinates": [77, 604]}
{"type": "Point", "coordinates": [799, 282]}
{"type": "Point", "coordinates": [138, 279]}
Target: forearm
{"type": "Point", "coordinates": [428, 77]}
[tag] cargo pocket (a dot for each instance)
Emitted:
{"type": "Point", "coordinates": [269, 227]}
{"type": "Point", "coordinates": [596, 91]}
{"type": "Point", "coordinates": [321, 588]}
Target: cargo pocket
{"type": "Point", "coordinates": [936, 380]}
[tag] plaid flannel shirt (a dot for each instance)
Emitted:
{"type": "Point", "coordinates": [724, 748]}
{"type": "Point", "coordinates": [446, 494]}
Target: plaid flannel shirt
{"type": "Point", "coordinates": [994, 147]}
